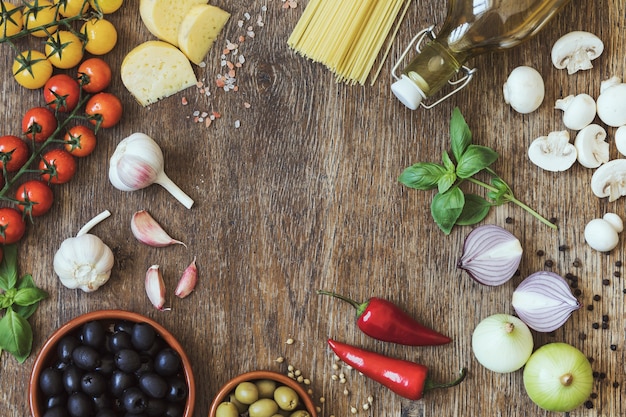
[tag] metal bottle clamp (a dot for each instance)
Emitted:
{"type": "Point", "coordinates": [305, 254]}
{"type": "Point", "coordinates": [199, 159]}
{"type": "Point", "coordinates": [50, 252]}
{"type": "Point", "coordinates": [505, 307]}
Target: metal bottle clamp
{"type": "Point", "coordinates": [458, 84]}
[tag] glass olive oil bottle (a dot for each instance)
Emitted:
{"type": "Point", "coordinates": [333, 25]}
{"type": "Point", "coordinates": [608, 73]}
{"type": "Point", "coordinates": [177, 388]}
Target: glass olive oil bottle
{"type": "Point", "coordinates": [472, 27]}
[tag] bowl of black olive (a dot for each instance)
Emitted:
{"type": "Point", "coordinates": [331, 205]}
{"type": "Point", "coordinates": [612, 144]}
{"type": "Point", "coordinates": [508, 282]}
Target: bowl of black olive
{"type": "Point", "coordinates": [112, 363]}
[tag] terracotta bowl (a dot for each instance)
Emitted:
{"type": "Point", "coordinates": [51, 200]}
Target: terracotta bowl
{"type": "Point", "coordinates": [48, 355]}
{"type": "Point", "coordinates": [256, 375]}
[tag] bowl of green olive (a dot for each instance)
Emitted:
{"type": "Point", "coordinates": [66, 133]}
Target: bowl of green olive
{"type": "Point", "coordinates": [262, 394]}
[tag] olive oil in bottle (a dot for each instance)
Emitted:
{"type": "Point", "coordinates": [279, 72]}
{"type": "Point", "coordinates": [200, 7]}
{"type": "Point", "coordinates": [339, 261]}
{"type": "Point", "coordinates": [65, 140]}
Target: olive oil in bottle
{"type": "Point", "coordinates": [471, 27]}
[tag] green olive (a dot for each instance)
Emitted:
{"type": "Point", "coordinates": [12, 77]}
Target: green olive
{"type": "Point", "coordinates": [241, 407]}
{"type": "Point", "coordinates": [226, 409]}
{"type": "Point", "coordinates": [286, 398]}
{"type": "Point", "coordinates": [300, 413]}
{"type": "Point", "coordinates": [265, 407]}
{"type": "Point", "coordinates": [266, 388]}
{"type": "Point", "coordinates": [246, 393]}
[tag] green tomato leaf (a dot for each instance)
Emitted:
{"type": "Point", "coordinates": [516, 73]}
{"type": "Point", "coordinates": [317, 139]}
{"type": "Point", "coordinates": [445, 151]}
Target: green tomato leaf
{"type": "Point", "coordinates": [422, 176]}
{"type": "Point", "coordinates": [26, 311]}
{"type": "Point", "coordinates": [460, 134]}
{"type": "Point", "coordinates": [16, 335]}
{"type": "Point", "coordinates": [475, 210]}
{"type": "Point", "coordinates": [29, 296]}
{"type": "Point", "coordinates": [446, 208]}
{"type": "Point", "coordinates": [8, 267]}
{"type": "Point", "coordinates": [475, 159]}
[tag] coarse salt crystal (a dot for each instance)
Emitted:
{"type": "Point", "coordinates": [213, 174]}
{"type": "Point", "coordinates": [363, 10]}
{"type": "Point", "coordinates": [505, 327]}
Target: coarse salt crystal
{"type": "Point", "coordinates": [237, 124]}
{"type": "Point", "coordinates": [246, 15]}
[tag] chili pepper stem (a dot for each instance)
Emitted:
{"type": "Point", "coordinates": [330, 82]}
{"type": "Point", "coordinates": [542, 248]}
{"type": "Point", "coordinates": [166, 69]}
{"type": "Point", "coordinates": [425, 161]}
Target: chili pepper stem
{"type": "Point", "coordinates": [359, 306]}
{"type": "Point", "coordinates": [430, 385]}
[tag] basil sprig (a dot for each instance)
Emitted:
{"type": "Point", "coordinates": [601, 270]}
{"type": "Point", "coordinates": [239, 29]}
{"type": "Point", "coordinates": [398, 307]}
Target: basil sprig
{"type": "Point", "coordinates": [452, 206]}
{"type": "Point", "coordinates": [19, 300]}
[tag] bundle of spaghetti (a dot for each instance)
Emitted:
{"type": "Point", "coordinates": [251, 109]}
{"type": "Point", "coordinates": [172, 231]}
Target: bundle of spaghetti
{"type": "Point", "coordinates": [346, 36]}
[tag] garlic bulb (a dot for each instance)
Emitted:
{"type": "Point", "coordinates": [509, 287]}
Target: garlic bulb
{"type": "Point", "coordinates": [137, 163]}
{"type": "Point", "coordinates": [84, 261]}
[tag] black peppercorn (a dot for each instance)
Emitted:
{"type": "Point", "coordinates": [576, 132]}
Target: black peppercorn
{"type": "Point", "coordinates": [549, 263]}
{"type": "Point", "coordinates": [509, 220]}
{"type": "Point", "coordinates": [595, 325]}
{"type": "Point", "coordinates": [617, 274]}
{"type": "Point", "coordinates": [588, 404]}
{"type": "Point", "coordinates": [590, 307]}
{"type": "Point", "coordinates": [576, 263]}
{"type": "Point", "coordinates": [605, 282]}
{"type": "Point", "coordinates": [605, 325]}
{"type": "Point", "coordinates": [540, 252]}
{"type": "Point", "coordinates": [615, 384]}
{"type": "Point", "coordinates": [618, 263]}
{"type": "Point", "coordinates": [577, 292]}
{"type": "Point", "coordinates": [596, 297]}
{"type": "Point", "coordinates": [613, 347]}
{"type": "Point", "coordinates": [605, 318]}
{"type": "Point", "coordinates": [562, 248]}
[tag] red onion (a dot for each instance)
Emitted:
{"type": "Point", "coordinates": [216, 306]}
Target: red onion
{"type": "Point", "coordinates": [491, 255]}
{"type": "Point", "coordinates": [544, 301]}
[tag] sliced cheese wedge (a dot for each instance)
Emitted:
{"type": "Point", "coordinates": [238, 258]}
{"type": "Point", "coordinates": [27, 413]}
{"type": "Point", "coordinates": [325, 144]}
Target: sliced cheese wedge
{"type": "Point", "coordinates": [163, 17]}
{"type": "Point", "coordinates": [155, 70]}
{"type": "Point", "coordinates": [199, 29]}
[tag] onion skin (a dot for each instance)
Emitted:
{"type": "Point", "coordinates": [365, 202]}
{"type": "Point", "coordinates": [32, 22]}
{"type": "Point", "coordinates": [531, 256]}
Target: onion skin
{"type": "Point", "coordinates": [544, 301]}
{"type": "Point", "coordinates": [547, 371]}
{"type": "Point", "coordinates": [491, 255]}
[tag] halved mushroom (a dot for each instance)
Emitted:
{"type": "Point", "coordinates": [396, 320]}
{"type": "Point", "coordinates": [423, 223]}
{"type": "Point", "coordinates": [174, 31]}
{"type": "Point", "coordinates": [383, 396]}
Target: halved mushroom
{"type": "Point", "coordinates": [610, 180]}
{"type": "Point", "coordinates": [576, 50]}
{"type": "Point", "coordinates": [591, 148]}
{"type": "Point", "coordinates": [578, 111]}
{"type": "Point", "coordinates": [620, 140]}
{"type": "Point", "coordinates": [553, 152]}
{"type": "Point", "coordinates": [611, 104]}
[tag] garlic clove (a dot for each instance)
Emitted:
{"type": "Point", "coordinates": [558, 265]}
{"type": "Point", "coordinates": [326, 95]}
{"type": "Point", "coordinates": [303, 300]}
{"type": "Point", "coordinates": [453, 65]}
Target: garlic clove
{"type": "Point", "coordinates": [187, 281]}
{"type": "Point", "coordinates": [155, 287]}
{"type": "Point", "coordinates": [149, 232]}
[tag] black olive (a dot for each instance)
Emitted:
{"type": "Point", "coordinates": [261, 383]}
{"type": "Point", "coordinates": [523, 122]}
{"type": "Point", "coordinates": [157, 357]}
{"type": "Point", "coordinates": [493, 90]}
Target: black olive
{"type": "Point", "coordinates": [86, 357]}
{"type": "Point", "coordinates": [156, 407]}
{"type": "Point", "coordinates": [106, 412]}
{"type": "Point", "coordinates": [51, 381]}
{"type": "Point", "coordinates": [57, 400]}
{"type": "Point", "coordinates": [158, 345]}
{"type": "Point", "coordinates": [93, 334]}
{"type": "Point", "coordinates": [120, 381]}
{"type": "Point", "coordinates": [123, 326]}
{"type": "Point", "coordinates": [118, 341]}
{"type": "Point", "coordinates": [56, 412]}
{"type": "Point", "coordinates": [147, 365]}
{"type": "Point", "coordinates": [167, 362]}
{"type": "Point", "coordinates": [127, 360]}
{"type": "Point", "coordinates": [107, 365]}
{"type": "Point", "coordinates": [65, 347]}
{"type": "Point", "coordinates": [143, 336]}
{"type": "Point", "coordinates": [103, 402]}
{"type": "Point", "coordinates": [174, 410]}
{"type": "Point", "coordinates": [154, 385]}
{"type": "Point", "coordinates": [93, 383]}
{"type": "Point", "coordinates": [177, 389]}
{"type": "Point", "coordinates": [80, 405]}
{"type": "Point", "coordinates": [71, 378]}
{"type": "Point", "coordinates": [134, 400]}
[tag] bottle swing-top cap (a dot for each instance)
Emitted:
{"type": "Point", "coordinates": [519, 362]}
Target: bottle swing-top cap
{"type": "Point", "coordinates": [408, 92]}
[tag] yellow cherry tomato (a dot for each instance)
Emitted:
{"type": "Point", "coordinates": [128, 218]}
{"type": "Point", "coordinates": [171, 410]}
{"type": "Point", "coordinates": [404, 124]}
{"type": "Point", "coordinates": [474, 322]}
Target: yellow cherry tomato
{"type": "Point", "coordinates": [31, 69]}
{"type": "Point", "coordinates": [10, 19]}
{"type": "Point", "coordinates": [40, 13]}
{"type": "Point", "coordinates": [106, 6]}
{"type": "Point", "coordinates": [101, 36]}
{"type": "Point", "coordinates": [71, 8]}
{"type": "Point", "coordinates": [64, 49]}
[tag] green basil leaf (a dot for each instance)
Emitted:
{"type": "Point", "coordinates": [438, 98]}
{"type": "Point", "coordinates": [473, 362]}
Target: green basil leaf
{"type": "Point", "coordinates": [16, 335]}
{"type": "Point", "coordinates": [460, 134]}
{"type": "Point", "coordinates": [446, 182]}
{"type": "Point", "coordinates": [447, 162]}
{"type": "Point", "coordinates": [446, 208]}
{"type": "Point", "coordinates": [422, 176]}
{"type": "Point", "coordinates": [475, 159]}
{"type": "Point", "coordinates": [29, 296]}
{"type": "Point", "coordinates": [8, 267]}
{"type": "Point", "coordinates": [475, 210]}
{"type": "Point", "coordinates": [26, 311]}
{"type": "Point", "coordinates": [5, 302]}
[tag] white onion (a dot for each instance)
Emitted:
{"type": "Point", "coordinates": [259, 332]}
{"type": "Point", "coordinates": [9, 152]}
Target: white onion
{"type": "Point", "coordinates": [502, 343]}
{"type": "Point", "coordinates": [558, 377]}
{"type": "Point", "coordinates": [544, 301]}
{"type": "Point", "coordinates": [491, 255]}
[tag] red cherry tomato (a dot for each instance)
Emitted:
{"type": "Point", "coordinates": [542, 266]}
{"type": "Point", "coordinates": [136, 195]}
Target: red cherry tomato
{"type": "Point", "coordinates": [104, 110]}
{"type": "Point", "coordinates": [12, 225]}
{"type": "Point", "coordinates": [14, 153]}
{"type": "Point", "coordinates": [61, 92]}
{"type": "Point", "coordinates": [35, 198]}
{"type": "Point", "coordinates": [57, 166]}
{"type": "Point", "coordinates": [80, 140]}
{"type": "Point", "coordinates": [94, 74]}
{"type": "Point", "coordinates": [39, 124]}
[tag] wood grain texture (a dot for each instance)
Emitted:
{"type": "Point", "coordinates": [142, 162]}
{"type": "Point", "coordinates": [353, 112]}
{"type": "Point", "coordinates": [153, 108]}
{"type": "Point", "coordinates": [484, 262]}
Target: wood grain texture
{"type": "Point", "coordinates": [304, 195]}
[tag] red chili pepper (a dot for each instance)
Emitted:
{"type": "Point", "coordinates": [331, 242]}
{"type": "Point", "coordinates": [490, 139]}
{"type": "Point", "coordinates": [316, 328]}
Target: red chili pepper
{"type": "Point", "coordinates": [383, 320]}
{"type": "Point", "coordinates": [407, 379]}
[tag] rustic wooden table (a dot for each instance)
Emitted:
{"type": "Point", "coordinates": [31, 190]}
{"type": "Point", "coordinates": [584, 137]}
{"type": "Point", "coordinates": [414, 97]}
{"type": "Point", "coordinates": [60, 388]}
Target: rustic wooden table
{"type": "Point", "coordinates": [299, 192]}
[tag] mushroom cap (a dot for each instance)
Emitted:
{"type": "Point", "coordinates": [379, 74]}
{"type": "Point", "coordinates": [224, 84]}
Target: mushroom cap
{"type": "Point", "coordinates": [611, 105]}
{"type": "Point", "coordinates": [610, 180]}
{"type": "Point", "coordinates": [615, 220]}
{"type": "Point", "coordinates": [524, 89]}
{"type": "Point", "coordinates": [576, 50]}
{"type": "Point", "coordinates": [578, 111]}
{"type": "Point", "coordinates": [591, 147]}
{"type": "Point", "coordinates": [601, 235]}
{"type": "Point", "coordinates": [620, 139]}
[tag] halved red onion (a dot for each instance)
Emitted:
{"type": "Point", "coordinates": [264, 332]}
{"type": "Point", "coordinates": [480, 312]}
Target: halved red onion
{"type": "Point", "coordinates": [544, 301]}
{"type": "Point", "coordinates": [491, 255]}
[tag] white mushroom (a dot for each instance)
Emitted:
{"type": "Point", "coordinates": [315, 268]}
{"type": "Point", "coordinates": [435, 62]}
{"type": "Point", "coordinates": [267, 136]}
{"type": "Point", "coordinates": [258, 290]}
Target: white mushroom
{"type": "Point", "coordinates": [602, 234]}
{"type": "Point", "coordinates": [610, 180]}
{"type": "Point", "coordinates": [591, 148]}
{"type": "Point", "coordinates": [553, 152]}
{"type": "Point", "coordinates": [606, 84]}
{"type": "Point", "coordinates": [620, 140]}
{"type": "Point", "coordinates": [611, 103]}
{"type": "Point", "coordinates": [524, 89]}
{"type": "Point", "coordinates": [578, 111]}
{"type": "Point", "coordinates": [576, 50]}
